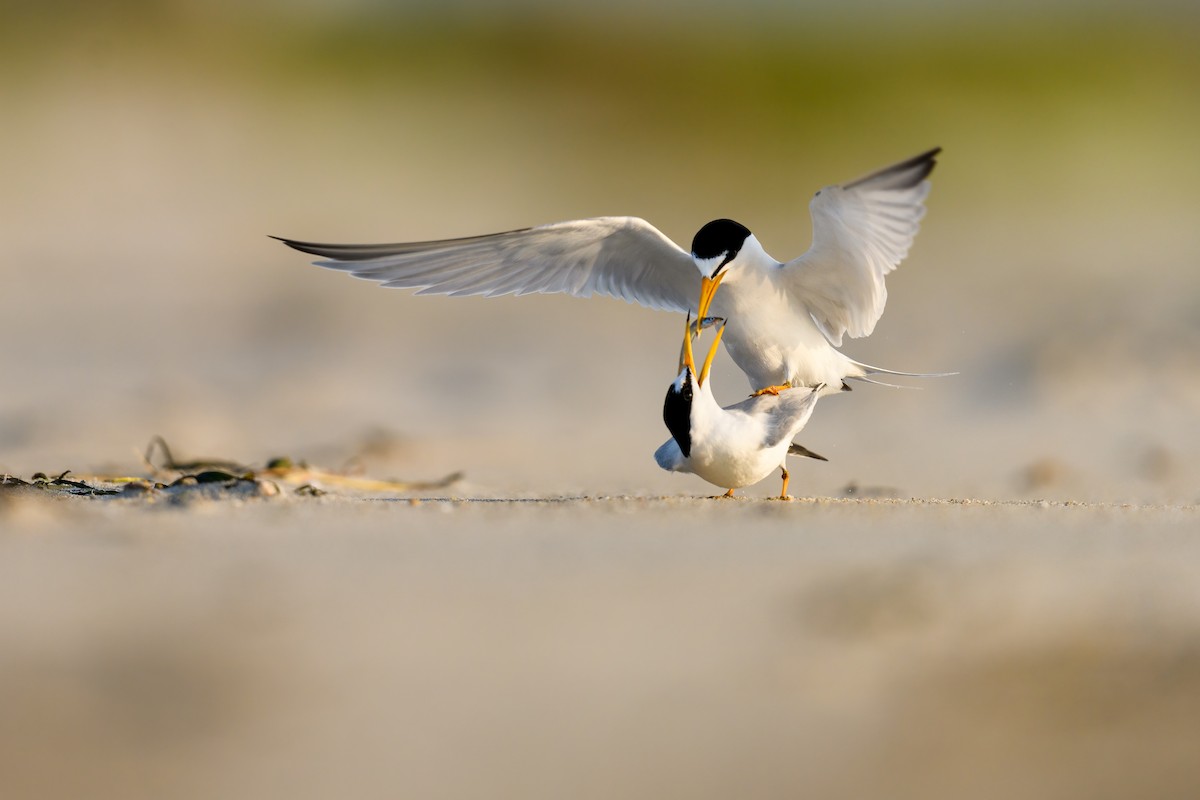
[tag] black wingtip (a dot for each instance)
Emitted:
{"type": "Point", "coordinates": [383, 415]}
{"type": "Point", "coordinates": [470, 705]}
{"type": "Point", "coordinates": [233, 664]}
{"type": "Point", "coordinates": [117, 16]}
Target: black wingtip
{"type": "Point", "coordinates": [341, 252]}
{"type": "Point", "coordinates": [800, 450]}
{"type": "Point", "coordinates": [929, 157]}
{"type": "Point", "coordinates": [292, 243]}
{"type": "Point", "coordinates": [908, 173]}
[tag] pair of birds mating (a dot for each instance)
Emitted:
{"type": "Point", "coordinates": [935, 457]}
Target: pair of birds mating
{"type": "Point", "coordinates": [781, 322]}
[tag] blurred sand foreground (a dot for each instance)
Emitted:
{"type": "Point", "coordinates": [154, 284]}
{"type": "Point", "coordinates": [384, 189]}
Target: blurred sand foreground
{"type": "Point", "coordinates": [607, 647]}
{"type": "Point", "coordinates": [596, 648]}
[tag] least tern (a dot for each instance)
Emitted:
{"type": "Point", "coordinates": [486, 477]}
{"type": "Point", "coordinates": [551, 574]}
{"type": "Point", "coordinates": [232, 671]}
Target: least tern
{"type": "Point", "coordinates": [786, 319]}
{"type": "Point", "coordinates": [734, 446]}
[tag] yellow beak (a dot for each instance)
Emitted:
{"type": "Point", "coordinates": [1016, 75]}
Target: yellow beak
{"type": "Point", "coordinates": [687, 357]}
{"type": "Point", "coordinates": [708, 289]}
{"type": "Point", "coordinates": [712, 353]}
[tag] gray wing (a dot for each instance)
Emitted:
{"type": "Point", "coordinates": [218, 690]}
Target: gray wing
{"type": "Point", "coordinates": [861, 231]}
{"type": "Point", "coordinates": [795, 408]}
{"type": "Point", "coordinates": [781, 416]}
{"type": "Point", "coordinates": [622, 257]}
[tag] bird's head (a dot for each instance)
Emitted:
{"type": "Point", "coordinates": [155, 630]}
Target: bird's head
{"type": "Point", "coordinates": [677, 408]}
{"type": "Point", "coordinates": [715, 249]}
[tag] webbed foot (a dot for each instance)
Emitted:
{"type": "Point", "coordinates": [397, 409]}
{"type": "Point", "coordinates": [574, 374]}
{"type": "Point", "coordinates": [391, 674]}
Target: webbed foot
{"type": "Point", "coordinates": [775, 390]}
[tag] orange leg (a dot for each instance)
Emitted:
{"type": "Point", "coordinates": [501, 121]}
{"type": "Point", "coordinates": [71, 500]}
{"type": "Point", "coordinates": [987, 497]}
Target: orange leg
{"type": "Point", "coordinates": [775, 390]}
{"type": "Point", "coordinates": [783, 495]}
{"type": "Point", "coordinates": [727, 495]}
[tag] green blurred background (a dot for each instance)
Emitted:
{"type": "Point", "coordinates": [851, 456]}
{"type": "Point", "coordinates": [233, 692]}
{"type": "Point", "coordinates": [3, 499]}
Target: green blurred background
{"type": "Point", "coordinates": [150, 147]}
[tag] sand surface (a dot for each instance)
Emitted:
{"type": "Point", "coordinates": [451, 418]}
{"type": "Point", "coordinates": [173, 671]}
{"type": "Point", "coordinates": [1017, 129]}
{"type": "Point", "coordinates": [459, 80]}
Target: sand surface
{"type": "Point", "coordinates": [599, 647]}
{"type": "Point", "coordinates": [990, 592]}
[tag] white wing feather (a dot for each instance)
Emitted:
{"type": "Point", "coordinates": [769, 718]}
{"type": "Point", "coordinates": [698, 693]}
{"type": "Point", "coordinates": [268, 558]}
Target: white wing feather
{"type": "Point", "coordinates": [861, 231]}
{"type": "Point", "coordinates": [780, 416]}
{"type": "Point", "coordinates": [622, 257]}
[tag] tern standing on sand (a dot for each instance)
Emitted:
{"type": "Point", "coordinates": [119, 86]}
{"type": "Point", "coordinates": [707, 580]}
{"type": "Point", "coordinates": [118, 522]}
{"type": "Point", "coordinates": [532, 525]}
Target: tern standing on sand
{"type": "Point", "coordinates": [734, 446]}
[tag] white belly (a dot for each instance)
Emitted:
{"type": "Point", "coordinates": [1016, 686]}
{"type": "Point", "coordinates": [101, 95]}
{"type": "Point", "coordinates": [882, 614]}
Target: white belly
{"type": "Point", "coordinates": [727, 446]}
{"type": "Point", "coordinates": [773, 344]}
{"type": "Point", "coordinates": [735, 470]}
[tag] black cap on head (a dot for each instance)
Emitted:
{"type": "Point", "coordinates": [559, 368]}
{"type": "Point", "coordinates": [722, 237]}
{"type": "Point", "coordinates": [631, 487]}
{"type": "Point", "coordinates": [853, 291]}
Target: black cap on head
{"type": "Point", "coordinates": [719, 237]}
{"type": "Point", "coordinates": [677, 413]}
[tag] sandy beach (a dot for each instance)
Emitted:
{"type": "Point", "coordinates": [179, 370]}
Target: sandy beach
{"type": "Point", "coordinates": [488, 589]}
{"type": "Point", "coordinates": [600, 647]}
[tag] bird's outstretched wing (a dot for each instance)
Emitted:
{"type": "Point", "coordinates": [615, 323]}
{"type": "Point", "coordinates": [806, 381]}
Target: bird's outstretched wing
{"type": "Point", "coordinates": [861, 231]}
{"type": "Point", "coordinates": [622, 257]}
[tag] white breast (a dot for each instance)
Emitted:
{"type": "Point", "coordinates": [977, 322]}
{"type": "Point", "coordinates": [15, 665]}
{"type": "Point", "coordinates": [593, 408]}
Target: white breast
{"type": "Point", "coordinates": [727, 445]}
{"type": "Point", "coordinates": [771, 336]}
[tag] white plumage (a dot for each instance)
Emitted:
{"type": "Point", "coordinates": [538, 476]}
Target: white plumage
{"type": "Point", "coordinates": [786, 319]}
{"type": "Point", "coordinates": [734, 446]}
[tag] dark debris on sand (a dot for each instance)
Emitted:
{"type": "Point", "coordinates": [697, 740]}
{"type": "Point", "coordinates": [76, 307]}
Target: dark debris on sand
{"type": "Point", "coordinates": [184, 481]}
